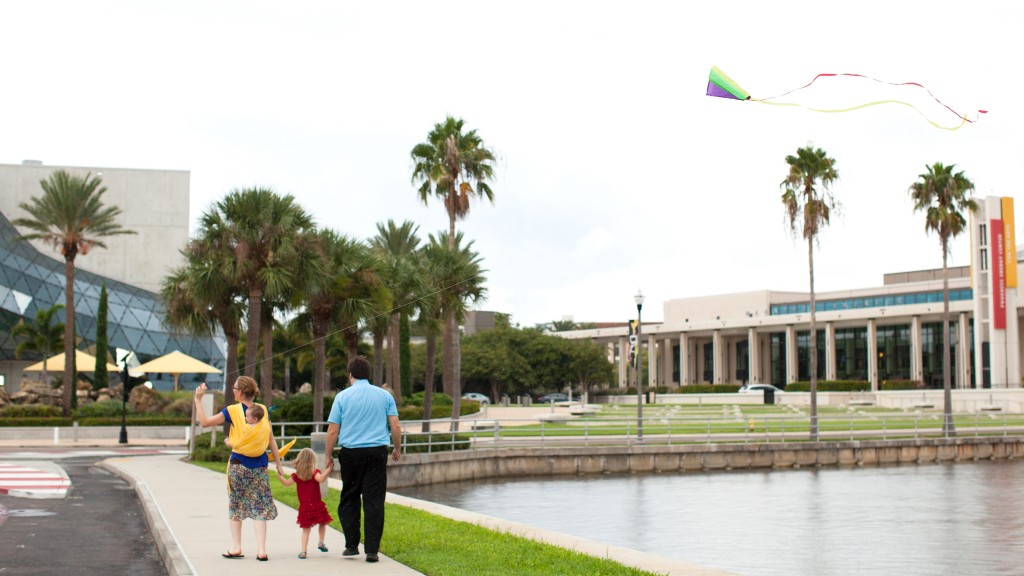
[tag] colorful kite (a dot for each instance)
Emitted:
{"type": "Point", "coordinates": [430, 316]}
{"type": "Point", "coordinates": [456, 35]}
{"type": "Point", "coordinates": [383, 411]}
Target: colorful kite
{"type": "Point", "coordinates": [721, 86]}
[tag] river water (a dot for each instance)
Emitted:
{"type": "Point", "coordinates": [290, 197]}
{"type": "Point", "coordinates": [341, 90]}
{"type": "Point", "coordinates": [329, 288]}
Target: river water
{"type": "Point", "coordinates": [934, 519]}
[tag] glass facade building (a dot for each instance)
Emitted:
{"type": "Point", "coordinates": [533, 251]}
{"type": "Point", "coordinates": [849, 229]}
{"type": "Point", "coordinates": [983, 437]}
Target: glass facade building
{"type": "Point", "coordinates": [31, 280]}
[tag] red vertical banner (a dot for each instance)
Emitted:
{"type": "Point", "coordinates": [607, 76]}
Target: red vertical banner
{"type": "Point", "coordinates": [998, 275]}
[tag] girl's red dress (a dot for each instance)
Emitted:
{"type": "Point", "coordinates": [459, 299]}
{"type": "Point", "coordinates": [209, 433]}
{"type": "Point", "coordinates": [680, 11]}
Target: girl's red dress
{"type": "Point", "coordinates": [312, 510]}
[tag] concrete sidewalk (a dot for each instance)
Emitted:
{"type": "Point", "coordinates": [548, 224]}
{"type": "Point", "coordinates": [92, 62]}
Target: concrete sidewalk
{"type": "Point", "coordinates": [186, 508]}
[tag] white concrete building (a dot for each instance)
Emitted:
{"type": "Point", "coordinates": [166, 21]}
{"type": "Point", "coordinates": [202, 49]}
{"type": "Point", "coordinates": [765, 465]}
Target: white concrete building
{"type": "Point", "coordinates": [892, 332]}
{"type": "Point", "coordinates": [154, 203]}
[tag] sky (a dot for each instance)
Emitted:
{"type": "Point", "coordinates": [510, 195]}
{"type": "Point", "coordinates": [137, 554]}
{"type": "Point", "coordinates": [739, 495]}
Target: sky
{"type": "Point", "coordinates": [615, 172]}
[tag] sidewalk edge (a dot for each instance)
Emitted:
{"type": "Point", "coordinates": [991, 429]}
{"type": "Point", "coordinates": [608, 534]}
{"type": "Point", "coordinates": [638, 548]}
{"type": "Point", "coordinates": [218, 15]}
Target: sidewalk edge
{"type": "Point", "coordinates": [174, 559]}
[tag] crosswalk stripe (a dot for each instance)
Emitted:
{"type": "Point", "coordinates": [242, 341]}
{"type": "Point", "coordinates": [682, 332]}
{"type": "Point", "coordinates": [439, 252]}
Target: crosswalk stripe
{"type": "Point", "coordinates": [25, 481]}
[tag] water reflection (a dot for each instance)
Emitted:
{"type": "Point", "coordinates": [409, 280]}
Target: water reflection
{"type": "Point", "coordinates": [930, 520]}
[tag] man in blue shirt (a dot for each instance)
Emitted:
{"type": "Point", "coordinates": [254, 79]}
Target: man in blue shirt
{"type": "Point", "coordinates": [365, 415]}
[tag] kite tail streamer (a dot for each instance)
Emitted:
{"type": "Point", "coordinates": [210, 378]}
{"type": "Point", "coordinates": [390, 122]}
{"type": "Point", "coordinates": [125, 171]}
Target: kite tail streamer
{"type": "Point", "coordinates": [720, 85]}
{"type": "Point", "coordinates": [963, 120]}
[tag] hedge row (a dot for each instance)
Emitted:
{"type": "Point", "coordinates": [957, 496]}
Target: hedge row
{"type": "Point", "coordinates": [154, 420]}
{"type": "Point", "coordinates": [708, 389]}
{"type": "Point", "coordinates": [901, 385]}
{"type": "Point", "coordinates": [413, 412]}
{"type": "Point", "coordinates": [831, 386]}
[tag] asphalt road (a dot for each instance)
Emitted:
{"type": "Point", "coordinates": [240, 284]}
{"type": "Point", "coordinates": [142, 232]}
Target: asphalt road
{"type": "Point", "coordinates": [98, 529]}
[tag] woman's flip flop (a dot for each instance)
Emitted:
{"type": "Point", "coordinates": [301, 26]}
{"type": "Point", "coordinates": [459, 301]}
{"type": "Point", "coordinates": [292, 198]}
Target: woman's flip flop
{"type": "Point", "coordinates": [302, 555]}
{"type": "Point", "coordinates": [230, 555]}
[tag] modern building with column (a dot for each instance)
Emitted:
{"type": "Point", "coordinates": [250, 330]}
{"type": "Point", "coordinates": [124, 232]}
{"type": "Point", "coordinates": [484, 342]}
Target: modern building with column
{"type": "Point", "coordinates": [888, 333]}
{"type": "Point", "coordinates": [155, 205]}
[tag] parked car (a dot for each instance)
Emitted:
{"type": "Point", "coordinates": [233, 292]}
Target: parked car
{"type": "Point", "coordinates": [483, 400]}
{"type": "Point", "coordinates": [759, 389]}
{"type": "Point", "coordinates": [553, 397]}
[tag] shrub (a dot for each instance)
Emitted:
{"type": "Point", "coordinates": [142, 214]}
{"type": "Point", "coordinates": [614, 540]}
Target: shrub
{"type": "Point", "coordinates": [179, 406]}
{"type": "Point", "coordinates": [831, 386]}
{"type": "Point", "coordinates": [706, 389]}
{"type": "Point", "coordinates": [104, 409]}
{"type": "Point", "coordinates": [901, 385]}
{"type": "Point", "coordinates": [34, 421]}
{"type": "Point", "coordinates": [443, 411]}
{"type": "Point", "coordinates": [29, 411]}
{"type": "Point", "coordinates": [205, 453]}
{"type": "Point", "coordinates": [137, 420]}
{"type": "Point", "coordinates": [298, 408]}
{"type": "Point", "coordinates": [438, 399]}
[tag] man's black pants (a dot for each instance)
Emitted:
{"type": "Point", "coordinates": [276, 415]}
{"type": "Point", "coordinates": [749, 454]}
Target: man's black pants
{"type": "Point", "coordinates": [363, 477]}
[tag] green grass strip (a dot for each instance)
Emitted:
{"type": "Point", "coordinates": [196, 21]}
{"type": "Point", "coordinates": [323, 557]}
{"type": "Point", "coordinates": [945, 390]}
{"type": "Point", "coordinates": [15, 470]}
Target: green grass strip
{"type": "Point", "coordinates": [439, 546]}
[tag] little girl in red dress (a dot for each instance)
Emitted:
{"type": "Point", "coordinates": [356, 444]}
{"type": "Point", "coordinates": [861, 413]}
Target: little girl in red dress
{"type": "Point", "coordinates": [312, 510]}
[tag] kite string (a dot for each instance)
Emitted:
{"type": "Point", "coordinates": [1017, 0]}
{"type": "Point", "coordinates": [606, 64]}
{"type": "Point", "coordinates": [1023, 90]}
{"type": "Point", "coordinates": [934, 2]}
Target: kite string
{"type": "Point", "coordinates": [963, 117]}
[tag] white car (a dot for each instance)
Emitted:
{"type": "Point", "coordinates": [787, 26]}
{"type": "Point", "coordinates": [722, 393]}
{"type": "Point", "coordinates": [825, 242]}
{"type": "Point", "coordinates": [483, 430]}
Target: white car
{"type": "Point", "coordinates": [483, 400]}
{"type": "Point", "coordinates": [759, 389]}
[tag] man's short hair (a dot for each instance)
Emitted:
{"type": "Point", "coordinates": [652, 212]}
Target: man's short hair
{"type": "Point", "coordinates": [359, 368]}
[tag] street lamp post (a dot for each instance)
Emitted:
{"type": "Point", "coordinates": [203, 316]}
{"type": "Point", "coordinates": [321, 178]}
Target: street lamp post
{"type": "Point", "coordinates": [639, 299]}
{"type": "Point", "coordinates": [123, 439]}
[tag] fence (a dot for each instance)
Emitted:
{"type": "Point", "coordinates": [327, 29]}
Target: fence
{"type": "Point", "coordinates": [492, 433]}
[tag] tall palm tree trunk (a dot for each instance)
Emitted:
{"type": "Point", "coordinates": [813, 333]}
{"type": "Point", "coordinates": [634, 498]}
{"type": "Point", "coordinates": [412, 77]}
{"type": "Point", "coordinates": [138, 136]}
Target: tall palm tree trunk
{"type": "Point", "coordinates": [394, 364]}
{"type": "Point", "coordinates": [447, 369]}
{"type": "Point", "coordinates": [287, 375]}
{"type": "Point", "coordinates": [69, 333]}
{"type": "Point", "coordinates": [253, 334]}
{"type": "Point", "coordinates": [319, 374]}
{"type": "Point", "coordinates": [394, 376]}
{"type": "Point", "coordinates": [452, 367]}
{"type": "Point", "coordinates": [814, 346]}
{"type": "Point", "coordinates": [267, 365]}
{"type": "Point", "coordinates": [948, 428]}
{"type": "Point", "coordinates": [451, 336]}
{"type": "Point", "coordinates": [231, 367]}
{"type": "Point", "coordinates": [378, 358]}
{"type": "Point", "coordinates": [428, 382]}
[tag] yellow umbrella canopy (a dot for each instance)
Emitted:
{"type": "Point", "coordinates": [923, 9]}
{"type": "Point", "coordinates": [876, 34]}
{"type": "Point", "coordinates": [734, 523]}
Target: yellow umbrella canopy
{"type": "Point", "coordinates": [84, 362]}
{"type": "Point", "coordinates": [177, 363]}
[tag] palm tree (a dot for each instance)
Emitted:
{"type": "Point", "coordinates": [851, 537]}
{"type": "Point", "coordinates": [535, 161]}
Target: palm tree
{"type": "Point", "coordinates": [808, 199]}
{"type": "Point", "coordinates": [428, 317]}
{"type": "Point", "coordinates": [290, 338]}
{"type": "Point", "coordinates": [447, 165]}
{"type": "Point", "coordinates": [202, 295]}
{"type": "Point", "coordinates": [70, 215]}
{"type": "Point", "coordinates": [346, 268]}
{"type": "Point", "coordinates": [397, 247]}
{"type": "Point", "coordinates": [944, 195]}
{"type": "Point", "coordinates": [42, 336]}
{"type": "Point", "coordinates": [460, 281]}
{"type": "Point", "coordinates": [262, 228]}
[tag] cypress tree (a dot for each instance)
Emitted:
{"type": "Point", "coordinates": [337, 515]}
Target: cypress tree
{"type": "Point", "coordinates": [101, 379]}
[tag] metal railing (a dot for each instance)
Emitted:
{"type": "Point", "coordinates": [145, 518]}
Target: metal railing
{"type": "Point", "coordinates": [495, 433]}
{"type": "Point", "coordinates": [491, 433]}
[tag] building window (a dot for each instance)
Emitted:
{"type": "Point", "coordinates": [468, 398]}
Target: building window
{"type": "Point", "coordinates": [984, 235]}
{"type": "Point", "coordinates": [984, 259]}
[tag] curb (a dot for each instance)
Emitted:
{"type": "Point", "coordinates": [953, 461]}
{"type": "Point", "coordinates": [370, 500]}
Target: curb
{"type": "Point", "coordinates": [174, 559]}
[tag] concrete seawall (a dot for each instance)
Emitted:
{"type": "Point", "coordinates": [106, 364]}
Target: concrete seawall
{"type": "Point", "coordinates": [423, 469]}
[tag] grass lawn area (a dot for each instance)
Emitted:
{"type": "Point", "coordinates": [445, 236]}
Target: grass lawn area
{"type": "Point", "coordinates": [438, 546]}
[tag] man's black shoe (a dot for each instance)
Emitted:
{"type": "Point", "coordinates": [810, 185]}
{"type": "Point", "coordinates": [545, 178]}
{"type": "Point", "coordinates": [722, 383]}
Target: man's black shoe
{"type": "Point", "coordinates": [371, 558]}
{"type": "Point", "coordinates": [350, 552]}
